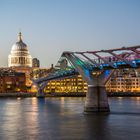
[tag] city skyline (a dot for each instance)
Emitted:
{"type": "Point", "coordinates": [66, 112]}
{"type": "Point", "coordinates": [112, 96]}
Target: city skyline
{"type": "Point", "coordinates": [51, 27]}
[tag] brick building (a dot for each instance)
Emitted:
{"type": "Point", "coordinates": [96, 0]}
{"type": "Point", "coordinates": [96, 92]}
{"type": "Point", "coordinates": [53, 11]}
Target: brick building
{"type": "Point", "coordinates": [12, 81]}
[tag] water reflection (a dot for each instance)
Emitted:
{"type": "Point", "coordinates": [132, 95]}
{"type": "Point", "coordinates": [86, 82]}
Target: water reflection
{"type": "Point", "coordinates": [137, 98]}
{"type": "Point", "coordinates": [63, 119]}
{"type": "Point", "coordinates": [99, 128]}
{"type": "Point", "coordinates": [18, 117]}
{"type": "Point", "coordinates": [120, 98]}
{"type": "Point", "coordinates": [34, 101]}
{"type": "Point", "coordinates": [18, 98]}
{"type": "Point", "coordinates": [30, 119]}
{"type": "Point", "coordinates": [10, 118]}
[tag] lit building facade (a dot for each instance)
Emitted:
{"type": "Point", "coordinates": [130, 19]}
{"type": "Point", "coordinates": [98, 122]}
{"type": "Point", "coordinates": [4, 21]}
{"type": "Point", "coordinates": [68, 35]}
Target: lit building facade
{"type": "Point", "coordinates": [74, 84]}
{"type": "Point", "coordinates": [121, 81]}
{"type": "Point", "coordinates": [19, 56]}
{"type": "Point", "coordinates": [12, 81]}
{"type": "Point", "coordinates": [27, 71]}
{"type": "Point", "coordinates": [124, 84]}
{"type": "Point", "coordinates": [124, 81]}
{"type": "Point", "coordinates": [127, 80]}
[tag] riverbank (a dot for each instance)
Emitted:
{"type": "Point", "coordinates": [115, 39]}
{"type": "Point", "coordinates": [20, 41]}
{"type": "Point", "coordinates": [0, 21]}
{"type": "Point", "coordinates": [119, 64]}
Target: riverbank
{"type": "Point", "coordinates": [46, 95]}
{"type": "Point", "coordinates": [112, 94]}
{"type": "Point", "coordinates": [123, 94]}
{"type": "Point", "coordinates": [17, 94]}
{"type": "Point", "coordinates": [24, 95]}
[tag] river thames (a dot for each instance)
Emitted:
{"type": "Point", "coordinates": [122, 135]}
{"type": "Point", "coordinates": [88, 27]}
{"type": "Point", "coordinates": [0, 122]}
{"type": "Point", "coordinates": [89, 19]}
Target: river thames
{"type": "Point", "coordinates": [62, 118]}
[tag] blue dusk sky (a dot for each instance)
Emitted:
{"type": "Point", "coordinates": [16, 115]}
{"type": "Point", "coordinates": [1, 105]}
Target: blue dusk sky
{"type": "Point", "coordinates": [50, 27]}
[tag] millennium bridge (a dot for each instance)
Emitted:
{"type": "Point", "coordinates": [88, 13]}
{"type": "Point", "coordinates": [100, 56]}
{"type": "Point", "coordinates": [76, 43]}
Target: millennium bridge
{"type": "Point", "coordinates": [95, 67]}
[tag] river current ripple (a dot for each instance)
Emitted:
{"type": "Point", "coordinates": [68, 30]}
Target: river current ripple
{"type": "Point", "coordinates": [62, 118]}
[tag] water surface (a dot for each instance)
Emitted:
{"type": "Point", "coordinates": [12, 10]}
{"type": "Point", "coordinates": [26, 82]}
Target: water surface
{"type": "Point", "coordinates": [62, 118]}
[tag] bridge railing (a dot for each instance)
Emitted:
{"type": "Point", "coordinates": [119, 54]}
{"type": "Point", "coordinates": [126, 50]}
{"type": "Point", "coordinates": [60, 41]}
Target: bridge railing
{"type": "Point", "coordinates": [113, 59]}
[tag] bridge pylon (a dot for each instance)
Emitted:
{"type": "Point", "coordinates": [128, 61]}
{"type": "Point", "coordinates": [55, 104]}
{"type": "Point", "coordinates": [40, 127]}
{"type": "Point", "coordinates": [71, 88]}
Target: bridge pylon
{"type": "Point", "coordinates": [96, 97]}
{"type": "Point", "coordinates": [40, 90]}
{"type": "Point", "coordinates": [40, 93]}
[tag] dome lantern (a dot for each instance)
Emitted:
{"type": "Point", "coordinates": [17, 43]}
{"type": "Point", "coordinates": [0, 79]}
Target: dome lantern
{"type": "Point", "coordinates": [20, 36]}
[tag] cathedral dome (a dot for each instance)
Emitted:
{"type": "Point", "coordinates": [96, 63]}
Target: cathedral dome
{"type": "Point", "coordinates": [19, 54]}
{"type": "Point", "coordinates": [20, 45]}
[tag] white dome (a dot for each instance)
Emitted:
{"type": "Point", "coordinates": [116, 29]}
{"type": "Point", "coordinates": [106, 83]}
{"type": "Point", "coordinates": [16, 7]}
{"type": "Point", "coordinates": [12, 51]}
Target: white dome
{"type": "Point", "coordinates": [19, 46]}
{"type": "Point", "coordinates": [19, 54]}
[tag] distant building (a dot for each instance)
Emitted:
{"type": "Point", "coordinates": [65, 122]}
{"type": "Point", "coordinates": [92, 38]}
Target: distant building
{"type": "Point", "coordinates": [127, 80]}
{"type": "Point", "coordinates": [27, 71]}
{"type": "Point", "coordinates": [12, 81]}
{"type": "Point", "coordinates": [35, 63]}
{"type": "Point", "coordinates": [41, 72]}
{"type": "Point", "coordinates": [19, 56]}
{"type": "Point", "coordinates": [73, 84]}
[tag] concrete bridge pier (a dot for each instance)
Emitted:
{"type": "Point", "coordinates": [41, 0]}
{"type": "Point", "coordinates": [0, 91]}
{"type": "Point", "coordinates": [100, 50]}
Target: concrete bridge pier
{"type": "Point", "coordinates": [96, 99]}
{"type": "Point", "coordinates": [40, 91]}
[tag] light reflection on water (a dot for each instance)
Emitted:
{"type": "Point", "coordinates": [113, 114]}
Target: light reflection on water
{"type": "Point", "coordinates": [63, 118]}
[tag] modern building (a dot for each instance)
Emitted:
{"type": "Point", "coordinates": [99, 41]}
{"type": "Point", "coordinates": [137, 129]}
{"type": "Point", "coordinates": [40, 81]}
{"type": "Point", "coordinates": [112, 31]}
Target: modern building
{"type": "Point", "coordinates": [19, 56]}
{"type": "Point", "coordinates": [35, 63]}
{"type": "Point", "coordinates": [124, 84]}
{"type": "Point", "coordinates": [74, 84]}
{"type": "Point", "coordinates": [127, 80]}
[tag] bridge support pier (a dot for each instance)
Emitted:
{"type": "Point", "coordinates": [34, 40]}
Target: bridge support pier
{"type": "Point", "coordinates": [96, 99]}
{"type": "Point", "coordinates": [40, 93]}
